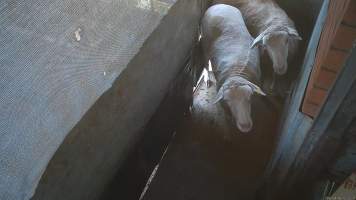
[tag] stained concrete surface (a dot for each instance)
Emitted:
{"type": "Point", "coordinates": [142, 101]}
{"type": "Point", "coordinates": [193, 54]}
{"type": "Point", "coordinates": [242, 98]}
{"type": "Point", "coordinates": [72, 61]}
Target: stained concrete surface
{"type": "Point", "coordinates": [210, 159]}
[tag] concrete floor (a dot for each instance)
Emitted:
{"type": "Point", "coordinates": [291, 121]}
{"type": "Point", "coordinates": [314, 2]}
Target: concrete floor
{"type": "Point", "coordinates": [210, 159]}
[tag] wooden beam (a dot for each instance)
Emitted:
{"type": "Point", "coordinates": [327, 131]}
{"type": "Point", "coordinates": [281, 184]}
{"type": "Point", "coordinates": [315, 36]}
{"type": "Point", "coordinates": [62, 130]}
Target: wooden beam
{"type": "Point", "coordinates": [335, 14]}
{"type": "Point", "coordinates": [329, 128]}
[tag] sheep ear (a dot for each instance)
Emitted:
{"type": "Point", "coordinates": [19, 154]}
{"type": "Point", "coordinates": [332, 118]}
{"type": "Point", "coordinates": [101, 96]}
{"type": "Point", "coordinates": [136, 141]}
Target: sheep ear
{"type": "Point", "coordinates": [296, 37]}
{"type": "Point", "coordinates": [257, 89]}
{"type": "Point", "coordinates": [294, 34]}
{"type": "Point", "coordinates": [219, 96]}
{"type": "Point", "coordinates": [257, 41]}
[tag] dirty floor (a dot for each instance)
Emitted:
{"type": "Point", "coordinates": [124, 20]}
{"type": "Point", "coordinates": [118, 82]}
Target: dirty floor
{"type": "Point", "coordinates": [209, 159]}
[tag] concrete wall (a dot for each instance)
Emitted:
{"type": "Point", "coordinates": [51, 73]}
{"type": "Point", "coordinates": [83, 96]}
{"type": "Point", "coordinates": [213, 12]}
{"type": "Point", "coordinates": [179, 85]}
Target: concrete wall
{"type": "Point", "coordinates": [57, 58]}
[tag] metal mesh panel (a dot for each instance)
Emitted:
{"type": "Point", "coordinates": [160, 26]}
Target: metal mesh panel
{"type": "Point", "coordinates": [56, 58]}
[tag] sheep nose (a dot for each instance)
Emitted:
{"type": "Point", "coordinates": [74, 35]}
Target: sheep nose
{"type": "Point", "coordinates": [246, 127]}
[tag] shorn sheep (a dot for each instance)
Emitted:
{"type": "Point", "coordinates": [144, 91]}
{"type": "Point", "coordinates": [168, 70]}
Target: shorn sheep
{"type": "Point", "coordinates": [226, 43]}
{"type": "Point", "coordinates": [273, 29]}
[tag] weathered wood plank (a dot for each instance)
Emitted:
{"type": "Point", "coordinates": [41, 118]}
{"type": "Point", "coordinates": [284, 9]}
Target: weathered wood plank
{"type": "Point", "coordinates": [329, 130]}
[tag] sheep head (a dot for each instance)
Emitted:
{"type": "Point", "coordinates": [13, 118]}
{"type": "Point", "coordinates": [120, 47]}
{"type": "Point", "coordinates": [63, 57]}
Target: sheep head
{"type": "Point", "coordinates": [237, 96]}
{"type": "Point", "coordinates": [276, 42]}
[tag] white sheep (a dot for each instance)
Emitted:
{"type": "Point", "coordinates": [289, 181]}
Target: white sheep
{"type": "Point", "coordinates": [226, 43]}
{"type": "Point", "coordinates": [273, 29]}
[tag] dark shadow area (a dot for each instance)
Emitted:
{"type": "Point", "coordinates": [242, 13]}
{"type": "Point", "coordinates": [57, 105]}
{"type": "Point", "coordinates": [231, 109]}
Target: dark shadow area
{"type": "Point", "coordinates": [210, 159]}
{"type": "Point", "coordinates": [131, 178]}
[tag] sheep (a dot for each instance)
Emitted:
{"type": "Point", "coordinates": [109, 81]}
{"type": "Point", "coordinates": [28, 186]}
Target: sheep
{"type": "Point", "coordinates": [226, 43]}
{"type": "Point", "coordinates": [273, 29]}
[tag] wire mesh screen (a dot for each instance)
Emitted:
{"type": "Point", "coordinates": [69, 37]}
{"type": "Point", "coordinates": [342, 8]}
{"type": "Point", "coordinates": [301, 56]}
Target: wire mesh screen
{"type": "Point", "coordinates": [56, 58]}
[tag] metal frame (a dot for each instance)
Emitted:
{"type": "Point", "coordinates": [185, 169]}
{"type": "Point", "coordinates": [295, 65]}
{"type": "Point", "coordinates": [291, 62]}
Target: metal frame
{"type": "Point", "coordinates": [306, 147]}
{"type": "Point", "coordinates": [295, 123]}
